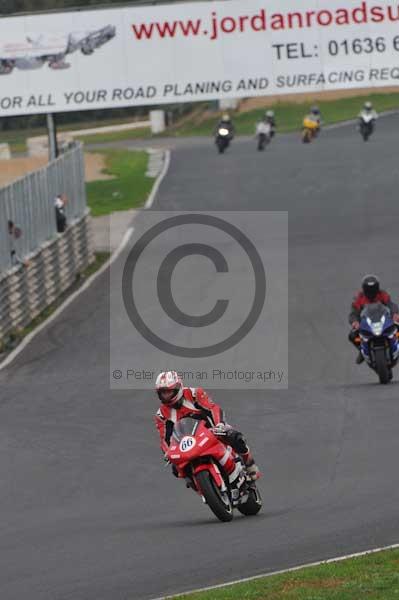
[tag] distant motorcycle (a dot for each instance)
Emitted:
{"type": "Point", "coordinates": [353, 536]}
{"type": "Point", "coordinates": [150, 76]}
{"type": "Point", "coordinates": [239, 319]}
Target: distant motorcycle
{"type": "Point", "coordinates": [197, 455]}
{"type": "Point", "coordinates": [264, 135]}
{"type": "Point", "coordinates": [310, 130]}
{"type": "Point", "coordinates": [366, 125]}
{"type": "Point", "coordinates": [222, 139]}
{"type": "Point", "coordinates": [379, 343]}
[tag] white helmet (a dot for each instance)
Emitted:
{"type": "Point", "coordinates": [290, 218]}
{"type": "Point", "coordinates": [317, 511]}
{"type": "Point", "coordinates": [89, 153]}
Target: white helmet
{"type": "Point", "coordinates": [169, 387]}
{"type": "Point", "coordinates": [226, 117]}
{"type": "Point", "coordinates": [269, 114]}
{"type": "Point", "coordinates": [368, 106]}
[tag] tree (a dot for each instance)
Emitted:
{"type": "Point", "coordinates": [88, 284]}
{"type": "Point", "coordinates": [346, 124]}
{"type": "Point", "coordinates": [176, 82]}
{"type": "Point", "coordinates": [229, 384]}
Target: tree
{"type": "Point", "coordinates": [8, 7]}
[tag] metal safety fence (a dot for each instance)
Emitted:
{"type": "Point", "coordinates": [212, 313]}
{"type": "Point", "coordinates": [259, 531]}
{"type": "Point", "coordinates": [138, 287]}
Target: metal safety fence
{"type": "Point", "coordinates": [27, 206]}
{"type": "Point", "coordinates": [53, 268]}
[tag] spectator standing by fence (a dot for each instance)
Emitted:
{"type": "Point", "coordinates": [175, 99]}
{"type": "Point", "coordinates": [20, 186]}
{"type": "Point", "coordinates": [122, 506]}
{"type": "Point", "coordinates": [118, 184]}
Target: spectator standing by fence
{"type": "Point", "coordinates": [14, 234]}
{"type": "Point", "coordinates": [60, 216]}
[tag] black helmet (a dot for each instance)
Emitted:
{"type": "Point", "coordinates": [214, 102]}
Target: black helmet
{"type": "Point", "coordinates": [370, 286]}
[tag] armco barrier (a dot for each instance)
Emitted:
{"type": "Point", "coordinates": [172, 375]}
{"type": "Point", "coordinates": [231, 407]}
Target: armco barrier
{"type": "Point", "coordinates": [26, 291]}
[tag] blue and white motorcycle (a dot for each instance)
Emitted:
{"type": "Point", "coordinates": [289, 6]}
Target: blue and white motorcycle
{"type": "Point", "coordinates": [379, 342]}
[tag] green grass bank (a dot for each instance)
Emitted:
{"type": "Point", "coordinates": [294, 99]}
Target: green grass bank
{"type": "Point", "coordinates": [128, 188]}
{"type": "Point", "coordinates": [371, 577]}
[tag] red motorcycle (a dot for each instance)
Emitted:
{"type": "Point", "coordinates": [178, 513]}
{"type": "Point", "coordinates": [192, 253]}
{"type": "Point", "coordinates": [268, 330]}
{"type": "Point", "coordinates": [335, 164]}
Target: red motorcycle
{"type": "Point", "coordinates": [198, 456]}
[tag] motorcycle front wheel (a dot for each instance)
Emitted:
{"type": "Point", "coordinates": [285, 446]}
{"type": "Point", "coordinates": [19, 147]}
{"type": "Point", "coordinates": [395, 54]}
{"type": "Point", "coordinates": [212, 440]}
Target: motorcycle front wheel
{"type": "Point", "coordinates": [221, 147]}
{"type": "Point", "coordinates": [218, 502]}
{"type": "Point", "coordinates": [381, 366]}
{"type": "Point", "coordinates": [253, 505]}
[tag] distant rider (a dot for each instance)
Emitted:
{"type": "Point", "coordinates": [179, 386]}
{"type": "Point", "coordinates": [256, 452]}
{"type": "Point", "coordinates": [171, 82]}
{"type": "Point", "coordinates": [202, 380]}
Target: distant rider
{"type": "Point", "coordinates": [178, 402]}
{"type": "Point", "coordinates": [270, 118]}
{"type": "Point", "coordinates": [226, 123]}
{"type": "Point", "coordinates": [369, 294]}
{"type": "Point", "coordinates": [264, 127]}
{"type": "Point", "coordinates": [314, 116]}
{"type": "Point", "coordinates": [367, 112]}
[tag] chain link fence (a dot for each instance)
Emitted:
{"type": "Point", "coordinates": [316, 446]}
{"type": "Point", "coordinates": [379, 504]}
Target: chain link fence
{"type": "Point", "coordinates": [27, 212]}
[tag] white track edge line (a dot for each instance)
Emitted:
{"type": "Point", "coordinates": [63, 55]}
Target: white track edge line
{"type": "Point", "coordinates": [154, 191]}
{"type": "Point", "coordinates": [67, 301]}
{"type": "Point", "coordinates": [340, 124]}
{"type": "Point", "coordinates": [281, 572]}
{"type": "Point", "coordinates": [9, 359]}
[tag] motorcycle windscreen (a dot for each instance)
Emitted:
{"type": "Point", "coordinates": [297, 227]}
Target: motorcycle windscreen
{"type": "Point", "coordinates": [187, 426]}
{"type": "Point", "coordinates": [375, 312]}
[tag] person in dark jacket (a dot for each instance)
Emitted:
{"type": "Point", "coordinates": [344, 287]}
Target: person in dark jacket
{"type": "Point", "coordinates": [60, 215]}
{"type": "Point", "coordinates": [370, 293]}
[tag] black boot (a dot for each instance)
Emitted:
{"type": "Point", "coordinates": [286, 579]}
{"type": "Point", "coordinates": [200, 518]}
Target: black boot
{"type": "Point", "coordinates": [359, 358]}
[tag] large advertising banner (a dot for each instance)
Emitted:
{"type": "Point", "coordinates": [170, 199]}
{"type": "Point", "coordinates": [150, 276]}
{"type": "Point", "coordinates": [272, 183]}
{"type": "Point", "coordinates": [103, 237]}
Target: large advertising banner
{"type": "Point", "coordinates": [194, 51]}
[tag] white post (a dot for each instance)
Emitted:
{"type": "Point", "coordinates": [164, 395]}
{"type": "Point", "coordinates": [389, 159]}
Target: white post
{"type": "Point", "coordinates": [228, 104]}
{"type": "Point", "coordinates": [157, 118]}
{"type": "Point", "coordinates": [5, 153]}
{"type": "Point", "coordinates": [52, 137]}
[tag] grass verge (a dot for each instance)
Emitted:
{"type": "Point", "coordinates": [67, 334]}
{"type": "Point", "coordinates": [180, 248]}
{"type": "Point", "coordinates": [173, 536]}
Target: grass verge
{"type": "Point", "coordinates": [17, 137]}
{"type": "Point", "coordinates": [116, 136]}
{"type": "Point", "coordinates": [374, 576]}
{"type": "Point", "coordinates": [129, 187]}
{"type": "Point", "coordinates": [15, 337]}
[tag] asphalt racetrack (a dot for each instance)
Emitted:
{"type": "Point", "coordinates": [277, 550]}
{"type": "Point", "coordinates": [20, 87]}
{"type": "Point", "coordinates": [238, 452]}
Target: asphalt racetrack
{"type": "Point", "coordinates": [89, 512]}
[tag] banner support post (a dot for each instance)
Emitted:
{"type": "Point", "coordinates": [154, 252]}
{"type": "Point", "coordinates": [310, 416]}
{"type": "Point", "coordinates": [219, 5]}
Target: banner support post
{"type": "Point", "coordinates": [52, 137]}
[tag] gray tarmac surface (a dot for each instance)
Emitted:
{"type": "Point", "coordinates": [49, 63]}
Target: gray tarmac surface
{"type": "Point", "coordinates": [88, 512]}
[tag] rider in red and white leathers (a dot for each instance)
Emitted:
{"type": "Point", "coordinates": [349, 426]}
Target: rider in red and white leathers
{"type": "Point", "coordinates": [178, 402]}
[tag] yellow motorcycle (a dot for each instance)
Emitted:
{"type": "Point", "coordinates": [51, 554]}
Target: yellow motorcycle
{"type": "Point", "coordinates": [311, 128]}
